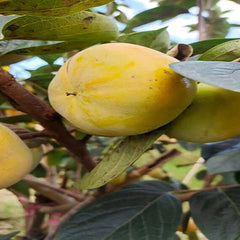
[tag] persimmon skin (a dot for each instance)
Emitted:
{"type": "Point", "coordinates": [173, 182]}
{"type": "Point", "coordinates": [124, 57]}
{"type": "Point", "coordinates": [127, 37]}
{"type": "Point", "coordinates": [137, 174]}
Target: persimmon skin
{"type": "Point", "coordinates": [213, 116]}
{"type": "Point", "coordinates": [16, 159]}
{"type": "Point", "coordinates": [119, 89]}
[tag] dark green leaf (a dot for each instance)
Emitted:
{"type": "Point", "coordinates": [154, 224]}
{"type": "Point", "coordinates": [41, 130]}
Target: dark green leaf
{"type": "Point", "coordinates": [106, 214]}
{"type": "Point", "coordinates": [158, 221]}
{"type": "Point", "coordinates": [119, 158]}
{"type": "Point", "coordinates": [217, 213]}
{"type": "Point", "coordinates": [55, 156]}
{"type": "Point", "coordinates": [40, 81]}
{"type": "Point", "coordinates": [16, 119]}
{"type": "Point", "coordinates": [229, 178]}
{"type": "Point", "coordinates": [39, 171]}
{"type": "Point", "coordinates": [203, 46]}
{"type": "Point", "coordinates": [83, 25]}
{"type": "Point", "coordinates": [227, 51]}
{"type": "Point", "coordinates": [8, 236]}
{"type": "Point", "coordinates": [211, 149]}
{"type": "Point", "coordinates": [226, 161]}
{"type": "Point", "coordinates": [158, 13]}
{"type": "Point", "coordinates": [157, 39]}
{"type": "Point", "coordinates": [22, 188]}
{"type": "Point", "coordinates": [221, 74]}
{"type": "Point", "coordinates": [46, 7]}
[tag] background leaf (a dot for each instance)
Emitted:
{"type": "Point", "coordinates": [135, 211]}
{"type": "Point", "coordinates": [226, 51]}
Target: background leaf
{"type": "Point", "coordinates": [119, 158]}
{"type": "Point", "coordinates": [8, 236]}
{"type": "Point", "coordinates": [227, 51]}
{"type": "Point", "coordinates": [52, 48]}
{"type": "Point", "coordinates": [225, 161]}
{"type": "Point", "coordinates": [158, 13]}
{"type": "Point", "coordinates": [80, 26]}
{"type": "Point", "coordinates": [157, 39]}
{"type": "Point", "coordinates": [220, 74]}
{"type": "Point", "coordinates": [211, 149]}
{"type": "Point", "coordinates": [108, 213]}
{"type": "Point", "coordinates": [46, 7]}
{"type": "Point", "coordinates": [202, 46]}
{"type": "Point", "coordinates": [217, 213]}
{"type": "Point", "coordinates": [158, 221]}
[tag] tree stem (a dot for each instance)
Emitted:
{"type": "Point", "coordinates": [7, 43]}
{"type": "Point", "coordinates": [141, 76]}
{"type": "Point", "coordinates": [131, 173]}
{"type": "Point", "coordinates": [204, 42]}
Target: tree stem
{"type": "Point", "coordinates": [201, 21]}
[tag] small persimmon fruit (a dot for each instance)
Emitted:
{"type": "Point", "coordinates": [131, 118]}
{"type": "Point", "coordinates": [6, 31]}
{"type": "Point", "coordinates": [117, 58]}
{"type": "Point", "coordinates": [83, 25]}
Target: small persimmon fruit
{"type": "Point", "coordinates": [213, 116]}
{"type": "Point", "coordinates": [16, 159]}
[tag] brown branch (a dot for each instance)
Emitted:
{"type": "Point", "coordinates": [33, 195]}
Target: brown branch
{"type": "Point", "coordinates": [33, 135]}
{"type": "Point", "coordinates": [201, 21]}
{"type": "Point", "coordinates": [51, 235]}
{"type": "Point", "coordinates": [27, 102]}
{"type": "Point", "coordinates": [140, 171]}
{"type": "Point", "coordinates": [31, 180]}
{"type": "Point", "coordinates": [185, 195]}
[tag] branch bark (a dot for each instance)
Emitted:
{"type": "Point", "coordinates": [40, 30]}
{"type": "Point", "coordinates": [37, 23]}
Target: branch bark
{"type": "Point", "coordinates": [27, 102]}
{"type": "Point", "coordinates": [201, 21]}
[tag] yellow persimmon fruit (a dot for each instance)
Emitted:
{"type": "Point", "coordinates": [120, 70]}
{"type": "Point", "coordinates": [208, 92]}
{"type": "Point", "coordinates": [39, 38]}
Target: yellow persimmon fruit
{"type": "Point", "coordinates": [157, 173]}
{"type": "Point", "coordinates": [15, 158]}
{"type": "Point", "coordinates": [118, 179]}
{"type": "Point", "coordinates": [191, 227]}
{"type": "Point", "coordinates": [119, 89]}
{"type": "Point", "coordinates": [213, 116]}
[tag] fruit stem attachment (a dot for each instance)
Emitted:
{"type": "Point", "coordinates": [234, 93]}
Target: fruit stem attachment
{"type": "Point", "coordinates": [27, 102]}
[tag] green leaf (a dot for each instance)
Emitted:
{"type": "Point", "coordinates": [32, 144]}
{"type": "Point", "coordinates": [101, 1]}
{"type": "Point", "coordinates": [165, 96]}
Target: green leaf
{"type": "Point", "coordinates": [217, 213]}
{"type": "Point", "coordinates": [58, 47]}
{"type": "Point", "coordinates": [46, 7]}
{"type": "Point", "coordinates": [220, 74]}
{"type": "Point", "coordinates": [8, 236]}
{"type": "Point", "coordinates": [157, 39]}
{"type": "Point", "coordinates": [158, 221]}
{"type": "Point", "coordinates": [119, 158]}
{"type": "Point", "coordinates": [83, 25]}
{"type": "Point", "coordinates": [202, 46]}
{"type": "Point", "coordinates": [226, 161]}
{"type": "Point", "coordinates": [16, 119]}
{"type": "Point", "coordinates": [227, 51]}
{"type": "Point", "coordinates": [55, 156]}
{"type": "Point", "coordinates": [14, 45]}
{"type": "Point", "coordinates": [106, 214]}
{"type": "Point", "coordinates": [22, 188]}
{"type": "Point", "coordinates": [158, 13]}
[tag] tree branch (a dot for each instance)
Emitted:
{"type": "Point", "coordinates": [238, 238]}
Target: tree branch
{"type": "Point", "coordinates": [51, 235]}
{"type": "Point", "coordinates": [27, 102]}
{"type": "Point", "coordinates": [201, 21]}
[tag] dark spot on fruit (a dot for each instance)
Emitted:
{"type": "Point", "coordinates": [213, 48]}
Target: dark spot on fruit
{"type": "Point", "coordinates": [166, 71]}
{"type": "Point", "coordinates": [150, 88]}
{"type": "Point", "coordinates": [70, 94]}
{"type": "Point", "coordinates": [12, 27]}
{"type": "Point", "coordinates": [132, 76]}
